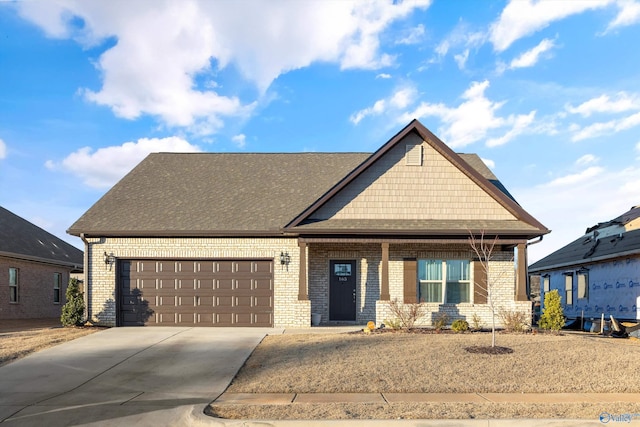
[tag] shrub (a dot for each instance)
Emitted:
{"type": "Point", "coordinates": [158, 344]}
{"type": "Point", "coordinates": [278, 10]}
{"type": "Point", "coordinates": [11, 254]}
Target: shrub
{"type": "Point", "coordinates": [460, 325]}
{"type": "Point", "coordinates": [476, 322]}
{"type": "Point", "coordinates": [514, 321]}
{"type": "Point", "coordinates": [552, 315]}
{"type": "Point", "coordinates": [440, 320]}
{"type": "Point", "coordinates": [393, 323]}
{"type": "Point", "coordinates": [406, 314]}
{"type": "Point", "coordinates": [73, 310]}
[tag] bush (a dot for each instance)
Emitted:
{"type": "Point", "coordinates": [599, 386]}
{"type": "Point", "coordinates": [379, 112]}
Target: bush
{"type": "Point", "coordinates": [514, 321]}
{"type": "Point", "coordinates": [406, 314]}
{"type": "Point", "coordinates": [552, 315]}
{"type": "Point", "coordinates": [476, 321]}
{"type": "Point", "coordinates": [393, 323]}
{"type": "Point", "coordinates": [460, 325]}
{"type": "Point", "coordinates": [73, 310]}
{"type": "Point", "coordinates": [440, 321]}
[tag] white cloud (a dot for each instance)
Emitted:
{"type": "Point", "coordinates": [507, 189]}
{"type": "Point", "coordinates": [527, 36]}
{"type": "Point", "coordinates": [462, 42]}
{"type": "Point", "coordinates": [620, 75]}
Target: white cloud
{"type": "Point", "coordinates": [521, 18]}
{"type": "Point", "coordinates": [399, 100]}
{"type": "Point", "coordinates": [604, 104]}
{"type": "Point", "coordinates": [104, 167]}
{"type": "Point", "coordinates": [531, 57]}
{"type": "Point", "coordinates": [472, 119]}
{"type": "Point", "coordinates": [605, 128]}
{"type": "Point", "coordinates": [570, 204]}
{"type": "Point", "coordinates": [628, 14]}
{"type": "Point", "coordinates": [383, 76]}
{"type": "Point", "coordinates": [460, 37]}
{"type": "Point", "coordinates": [461, 59]}
{"type": "Point", "coordinates": [519, 124]}
{"type": "Point", "coordinates": [586, 159]}
{"type": "Point", "coordinates": [414, 36]}
{"type": "Point", "coordinates": [3, 150]}
{"type": "Point", "coordinates": [490, 163]}
{"type": "Point", "coordinates": [164, 48]}
{"type": "Point", "coordinates": [240, 140]}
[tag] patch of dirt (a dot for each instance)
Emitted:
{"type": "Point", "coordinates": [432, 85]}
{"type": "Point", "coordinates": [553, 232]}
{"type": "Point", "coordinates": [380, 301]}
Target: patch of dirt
{"type": "Point", "coordinates": [19, 338]}
{"type": "Point", "coordinates": [487, 349]}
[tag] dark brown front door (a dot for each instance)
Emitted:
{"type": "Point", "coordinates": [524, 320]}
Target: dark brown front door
{"type": "Point", "coordinates": [342, 290]}
{"type": "Point", "coordinates": [196, 292]}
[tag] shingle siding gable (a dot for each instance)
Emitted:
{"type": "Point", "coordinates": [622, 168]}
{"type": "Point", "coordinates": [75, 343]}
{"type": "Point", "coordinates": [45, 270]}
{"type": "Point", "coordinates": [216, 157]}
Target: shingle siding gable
{"type": "Point", "coordinates": [390, 189]}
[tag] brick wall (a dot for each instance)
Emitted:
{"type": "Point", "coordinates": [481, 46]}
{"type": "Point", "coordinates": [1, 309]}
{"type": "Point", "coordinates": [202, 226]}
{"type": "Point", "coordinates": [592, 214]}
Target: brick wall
{"type": "Point", "coordinates": [35, 289]}
{"type": "Point", "coordinates": [368, 259]}
{"type": "Point", "coordinates": [288, 311]}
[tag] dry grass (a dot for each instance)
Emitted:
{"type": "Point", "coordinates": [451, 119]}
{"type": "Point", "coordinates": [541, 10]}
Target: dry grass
{"type": "Point", "coordinates": [410, 363]}
{"type": "Point", "coordinates": [19, 338]}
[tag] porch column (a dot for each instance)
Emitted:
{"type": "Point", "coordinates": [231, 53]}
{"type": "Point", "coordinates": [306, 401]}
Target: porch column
{"type": "Point", "coordinates": [384, 274]}
{"type": "Point", "coordinates": [521, 273]}
{"type": "Point", "coordinates": [302, 280]}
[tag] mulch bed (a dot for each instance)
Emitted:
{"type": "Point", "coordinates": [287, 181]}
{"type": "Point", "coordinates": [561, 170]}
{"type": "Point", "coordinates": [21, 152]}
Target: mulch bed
{"type": "Point", "coordinates": [489, 350]}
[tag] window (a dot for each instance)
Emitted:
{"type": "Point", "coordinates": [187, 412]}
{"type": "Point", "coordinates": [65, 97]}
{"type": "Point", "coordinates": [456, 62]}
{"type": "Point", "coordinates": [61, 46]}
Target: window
{"type": "Point", "coordinates": [57, 279]}
{"type": "Point", "coordinates": [583, 284]}
{"type": "Point", "coordinates": [444, 281]}
{"type": "Point", "coordinates": [14, 281]}
{"type": "Point", "coordinates": [545, 283]}
{"type": "Point", "coordinates": [568, 286]}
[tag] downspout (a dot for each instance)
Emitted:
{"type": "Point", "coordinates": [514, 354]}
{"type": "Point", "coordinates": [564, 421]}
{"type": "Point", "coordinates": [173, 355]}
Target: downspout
{"type": "Point", "coordinates": [526, 262]}
{"type": "Point", "coordinates": [86, 276]}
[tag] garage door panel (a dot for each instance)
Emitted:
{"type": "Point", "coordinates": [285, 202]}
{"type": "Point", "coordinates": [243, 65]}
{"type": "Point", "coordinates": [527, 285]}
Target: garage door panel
{"type": "Point", "coordinates": [243, 284]}
{"type": "Point", "coordinates": [263, 284]}
{"type": "Point", "coordinates": [199, 292]}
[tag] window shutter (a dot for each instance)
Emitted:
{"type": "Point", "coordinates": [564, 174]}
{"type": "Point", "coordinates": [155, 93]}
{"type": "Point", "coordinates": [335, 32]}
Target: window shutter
{"type": "Point", "coordinates": [410, 281]}
{"type": "Point", "coordinates": [480, 283]}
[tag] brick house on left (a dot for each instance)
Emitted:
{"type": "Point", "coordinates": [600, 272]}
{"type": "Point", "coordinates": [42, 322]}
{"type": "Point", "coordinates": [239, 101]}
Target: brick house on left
{"type": "Point", "coordinates": [35, 267]}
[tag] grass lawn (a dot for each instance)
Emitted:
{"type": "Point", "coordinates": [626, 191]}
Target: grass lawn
{"type": "Point", "coordinates": [436, 363]}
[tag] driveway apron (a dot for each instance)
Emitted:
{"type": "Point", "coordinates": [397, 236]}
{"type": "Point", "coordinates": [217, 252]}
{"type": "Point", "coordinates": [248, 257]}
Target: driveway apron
{"type": "Point", "coordinates": [147, 376]}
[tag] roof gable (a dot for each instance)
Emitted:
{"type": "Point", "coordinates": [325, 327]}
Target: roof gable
{"type": "Point", "coordinates": [444, 187]}
{"type": "Point", "coordinates": [20, 238]}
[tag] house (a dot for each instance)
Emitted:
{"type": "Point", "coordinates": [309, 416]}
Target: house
{"type": "Point", "coordinates": [35, 267]}
{"type": "Point", "coordinates": [251, 239]}
{"type": "Point", "coordinates": [598, 273]}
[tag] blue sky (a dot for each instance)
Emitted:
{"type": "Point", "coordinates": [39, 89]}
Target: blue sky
{"type": "Point", "coordinates": [546, 92]}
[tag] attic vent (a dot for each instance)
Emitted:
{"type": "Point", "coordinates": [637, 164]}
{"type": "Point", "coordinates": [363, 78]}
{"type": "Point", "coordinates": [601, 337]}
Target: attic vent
{"type": "Point", "coordinates": [413, 155]}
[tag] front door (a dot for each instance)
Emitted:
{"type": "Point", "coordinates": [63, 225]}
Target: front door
{"type": "Point", "coordinates": [342, 290]}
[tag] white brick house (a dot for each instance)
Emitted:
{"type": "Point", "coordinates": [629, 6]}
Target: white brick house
{"type": "Point", "coordinates": [213, 239]}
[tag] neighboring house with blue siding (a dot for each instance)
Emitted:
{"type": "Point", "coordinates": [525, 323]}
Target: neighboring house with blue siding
{"type": "Point", "coordinates": [599, 273]}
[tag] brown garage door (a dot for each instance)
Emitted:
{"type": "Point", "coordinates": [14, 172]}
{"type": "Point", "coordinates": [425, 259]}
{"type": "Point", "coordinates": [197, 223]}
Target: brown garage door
{"type": "Point", "coordinates": [196, 292]}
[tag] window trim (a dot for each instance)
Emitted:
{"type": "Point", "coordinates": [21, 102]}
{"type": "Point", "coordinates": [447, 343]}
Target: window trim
{"type": "Point", "coordinates": [14, 286]}
{"type": "Point", "coordinates": [443, 281]}
{"type": "Point", "coordinates": [568, 288]}
{"type": "Point", "coordinates": [546, 283]}
{"type": "Point", "coordinates": [57, 284]}
{"type": "Point", "coordinates": [585, 286]}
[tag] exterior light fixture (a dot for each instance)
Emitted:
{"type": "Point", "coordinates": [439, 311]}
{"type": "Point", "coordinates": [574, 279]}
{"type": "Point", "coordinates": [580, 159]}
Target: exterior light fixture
{"type": "Point", "coordinates": [285, 259]}
{"type": "Point", "coordinates": [109, 259]}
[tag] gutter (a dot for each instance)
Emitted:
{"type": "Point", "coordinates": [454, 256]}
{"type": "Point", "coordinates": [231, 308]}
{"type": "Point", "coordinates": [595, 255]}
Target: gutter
{"type": "Point", "coordinates": [40, 260]}
{"type": "Point", "coordinates": [587, 260]}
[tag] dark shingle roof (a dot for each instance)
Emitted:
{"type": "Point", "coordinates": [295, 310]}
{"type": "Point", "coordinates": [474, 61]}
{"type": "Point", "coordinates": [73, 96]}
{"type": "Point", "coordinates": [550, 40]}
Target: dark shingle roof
{"type": "Point", "coordinates": [19, 237]}
{"type": "Point", "coordinates": [597, 244]}
{"type": "Point", "coordinates": [216, 193]}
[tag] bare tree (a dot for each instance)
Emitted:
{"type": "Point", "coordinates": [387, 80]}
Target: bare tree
{"type": "Point", "coordinates": [484, 250]}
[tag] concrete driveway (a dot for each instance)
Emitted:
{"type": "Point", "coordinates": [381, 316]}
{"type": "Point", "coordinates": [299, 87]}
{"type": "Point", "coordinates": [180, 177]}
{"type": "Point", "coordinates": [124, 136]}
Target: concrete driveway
{"type": "Point", "coordinates": [143, 376]}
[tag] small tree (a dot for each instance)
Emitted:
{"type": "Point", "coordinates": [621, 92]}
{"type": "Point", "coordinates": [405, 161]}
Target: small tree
{"type": "Point", "coordinates": [552, 315]}
{"type": "Point", "coordinates": [73, 310]}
